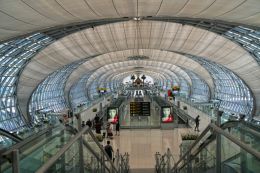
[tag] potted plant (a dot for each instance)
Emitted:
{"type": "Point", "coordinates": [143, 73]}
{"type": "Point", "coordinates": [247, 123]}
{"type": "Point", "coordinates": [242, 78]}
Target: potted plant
{"type": "Point", "coordinates": [99, 137]}
{"type": "Point", "coordinates": [94, 109]}
{"type": "Point", "coordinates": [187, 140]}
{"type": "Point", "coordinates": [189, 136]}
{"type": "Point", "coordinates": [176, 88]}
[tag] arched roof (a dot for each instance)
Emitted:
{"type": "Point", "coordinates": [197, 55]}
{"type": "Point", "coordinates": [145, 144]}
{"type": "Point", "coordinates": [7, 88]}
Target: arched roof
{"type": "Point", "coordinates": [169, 31]}
{"type": "Point", "coordinates": [26, 16]}
{"type": "Point", "coordinates": [133, 36]}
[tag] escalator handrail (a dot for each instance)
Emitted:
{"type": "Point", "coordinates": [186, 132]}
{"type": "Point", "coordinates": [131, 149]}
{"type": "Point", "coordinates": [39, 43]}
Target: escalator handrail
{"type": "Point", "coordinates": [229, 124]}
{"type": "Point", "coordinates": [24, 142]}
{"type": "Point", "coordinates": [10, 135]}
{"type": "Point", "coordinates": [191, 147]}
{"type": "Point", "coordinates": [236, 141]}
{"type": "Point", "coordinates": [102, 149]}
{"type": "Point", "coordinates": [54, 158]}
{"type": "Point", "coordinates": [85, 143]}
{"type": "Point", "coordinates": [220, 131]}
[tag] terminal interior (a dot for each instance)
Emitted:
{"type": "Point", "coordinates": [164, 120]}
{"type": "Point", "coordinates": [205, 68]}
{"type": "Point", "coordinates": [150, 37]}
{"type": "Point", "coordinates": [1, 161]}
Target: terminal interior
{"type": "Point", "coordinates": [173, 85]}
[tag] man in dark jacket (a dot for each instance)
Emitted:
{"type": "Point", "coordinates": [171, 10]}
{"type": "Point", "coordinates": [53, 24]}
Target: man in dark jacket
{"type": "Point", "coordinates": [109, 150]}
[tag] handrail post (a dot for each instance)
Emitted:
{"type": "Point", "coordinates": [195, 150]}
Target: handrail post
{"type": "Point", "coordinates": [15, 161]}
{"type": "Point", "coordinates": [243, 160]}
{"type": "Point", "coordinates": [168, 160]}
{"type": "Point", "coordinates": [102, 162]}
{"type": "Point", "coordinates": [81, 156]}
{"type": "Point", "coordinates": [189, 170]}
{"type": "Point", "coordinates": [218, 143]}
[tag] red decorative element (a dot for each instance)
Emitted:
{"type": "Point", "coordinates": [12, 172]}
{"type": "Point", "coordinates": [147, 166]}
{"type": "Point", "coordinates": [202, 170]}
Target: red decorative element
{"type": "Point", "coordinates": [170, 93]}
{"type": "Point", "coordinates": [169, 119]}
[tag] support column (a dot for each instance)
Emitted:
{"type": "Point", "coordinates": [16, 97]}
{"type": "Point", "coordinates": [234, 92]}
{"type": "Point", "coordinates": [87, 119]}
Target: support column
{"type": "Point", "coordinates": [243, 153]}
{"type": "Point", "coordinates": [81, 155]}
{"type": "Point", "coordinates": [218, 143]}
{"type": "Point", "coordinates": [189, 164]}
{"type": "Point", "coordinates": [15, 161]}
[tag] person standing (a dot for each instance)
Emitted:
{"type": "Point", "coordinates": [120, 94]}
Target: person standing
{"type": "Point", "coordinates": [197, 123]}
{"type": "Point", "coordinates": [109, 150]}
{"type": "Point", "coordinates": [109, 130]}
{"type": "Point", "coordinates": [96, 119]}
{"type": "Point", "coordinates": [83, 124]}
{"type": "Point", "coordinates": [89, 123]}
{"type": "Point", "coordinates": [117, 128]}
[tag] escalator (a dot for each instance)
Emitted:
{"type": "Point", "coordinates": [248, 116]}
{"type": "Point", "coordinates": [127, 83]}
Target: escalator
{"type": "Point", "coordinates": [35, 150]}
{"type": "Point", "coordinates": [233, 148]}
{"type": "Point", "coordinates": [9, 135]}
{"type": "Point", "coordinates": [82, 153]}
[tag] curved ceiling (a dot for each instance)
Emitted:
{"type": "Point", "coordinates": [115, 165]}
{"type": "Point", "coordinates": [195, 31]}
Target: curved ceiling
{"type": "Point", "coordinates": [169, 70]}
{"type": "Point", "coordinates": [154, 55]}
{"type": "Point", "coordinates": [25, 16]}
{"type": "Point", "coordinates": [152, 38]}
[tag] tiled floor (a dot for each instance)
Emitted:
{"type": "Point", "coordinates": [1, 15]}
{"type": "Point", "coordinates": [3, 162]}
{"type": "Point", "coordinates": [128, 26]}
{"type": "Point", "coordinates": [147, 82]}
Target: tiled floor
{"type": "Point", "coordinates": [142, 144]}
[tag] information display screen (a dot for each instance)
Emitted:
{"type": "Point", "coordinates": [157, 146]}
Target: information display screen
{"type": "Point", "coordinates": [140, 108]}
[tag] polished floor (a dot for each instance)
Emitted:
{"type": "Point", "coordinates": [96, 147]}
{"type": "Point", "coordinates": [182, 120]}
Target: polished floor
{"type": "Point", "coordinates": [142, 144]}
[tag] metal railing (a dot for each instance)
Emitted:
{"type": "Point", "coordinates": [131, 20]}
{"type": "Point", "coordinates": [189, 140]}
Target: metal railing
{"type": "Point", "coordinates": [122, 162]}
{"type": "Point", "coordinates": [204, 107]}
{"type": "Point", "coordinates": [78, 110]}
{"type": "Point", "coordinates": [196, 148]}
{"type": "Point", "coordinates": [105, 162]}
{"type": "Point", "coordinates": [164, 163]}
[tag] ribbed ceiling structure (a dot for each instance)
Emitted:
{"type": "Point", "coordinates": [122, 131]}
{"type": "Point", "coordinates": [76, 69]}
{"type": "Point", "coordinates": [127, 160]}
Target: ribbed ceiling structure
{"type": "Point", "coordinates": [25, 16]}
{"type": "Point", "coordinates": [103, 34]}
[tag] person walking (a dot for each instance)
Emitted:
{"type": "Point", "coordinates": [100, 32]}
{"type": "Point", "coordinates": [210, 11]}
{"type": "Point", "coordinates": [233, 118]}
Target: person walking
{"type": "Point", "coordinates": [117, 128]}
{"type": "Point", "coordinates": [109, 150]}
{"type": "Point", "coordinates": [197, 123]}
{"type": "Point", "coordinates": [96, 119]}
{"type": "Point", "coordinates": [109, 129]}
{"type": "Point", "coordinates": [89, 123]}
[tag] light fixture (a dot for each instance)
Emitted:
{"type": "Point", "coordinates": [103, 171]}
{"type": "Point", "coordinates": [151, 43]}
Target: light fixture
{"type": "Point", "coordinates": [137, 18]}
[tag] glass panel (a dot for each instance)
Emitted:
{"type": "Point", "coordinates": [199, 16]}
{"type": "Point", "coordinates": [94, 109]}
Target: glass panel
{"type": "Point", "coordinates": [248, 38]}
{"type": "Point", "coordinates": [68, 162]}
{"type": "Point", "coordinates": [248, 135]}
{"type": "Point", "coordinates": [76, 96]}
{"type": "Point", "coordinates": [205, 160]}
{"type": "Point", "coordinates": [233, 94]}
{"type": "Point", "coordinates": [49, 95]}
{"type": "Point", "coordinates": [235, 159]}
{"type": "Point", "coordinates": [199, 88]}
{"type": "Point", "coordinates": [34, 154]}
{"type": "Point", "coordinates": [13, 57]}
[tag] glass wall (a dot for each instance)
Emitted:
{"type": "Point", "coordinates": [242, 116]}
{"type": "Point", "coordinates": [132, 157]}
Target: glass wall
{"type": "Point", "coordinates": [230, 90]}
{"type": "Point", "coordinates": [248, 38]}
{"type": "Point", "coordinates": [199, 88]}
{"type": "Point", "coordinates": [184, 87]}
{"type": "Point", "coordinates": [78, 92]}
{"type": "Point", "coordinates": [14, 55]}
{"type": "Point", "coordinates": [49, 95]}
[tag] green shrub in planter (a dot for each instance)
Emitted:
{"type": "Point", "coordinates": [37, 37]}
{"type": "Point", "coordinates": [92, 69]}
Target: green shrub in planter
{"type": "Point", "coordinates": [189, 136]}
{"type": "Point", "coordinates": [99, 137]}
{"type": "Point", "coordinates": [94, 109]}
{"type": "Point", "coordinates": [187, 140]}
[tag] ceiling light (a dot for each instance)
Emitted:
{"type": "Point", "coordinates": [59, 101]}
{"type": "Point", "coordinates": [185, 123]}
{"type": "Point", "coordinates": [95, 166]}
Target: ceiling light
{"type": "Point", "coordinates": [137, 18]}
